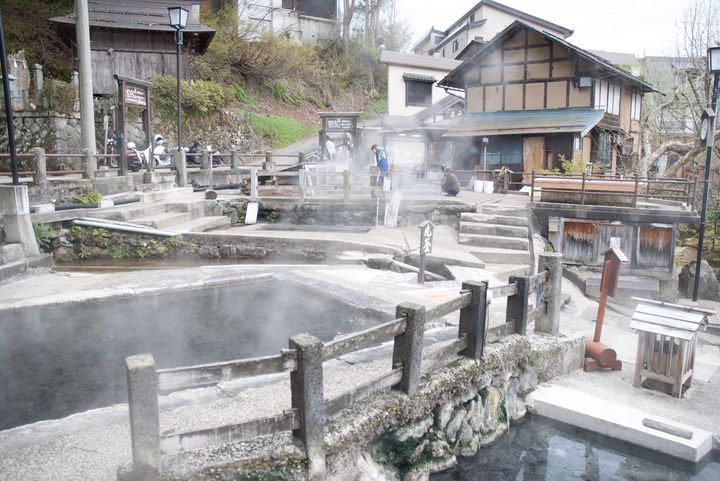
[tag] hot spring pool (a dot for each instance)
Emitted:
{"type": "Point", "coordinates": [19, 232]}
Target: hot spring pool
{"type": "Point", "coordinates": [540, 449]}
{"type": "Point", "coordinates": [59, 360]}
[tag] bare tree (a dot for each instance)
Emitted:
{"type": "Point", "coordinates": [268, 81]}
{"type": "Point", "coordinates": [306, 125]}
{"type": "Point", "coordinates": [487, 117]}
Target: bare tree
{"type": "Point", "coordinates": [349, 7]}
{"type": "Point", "coordinates": [671, 123]}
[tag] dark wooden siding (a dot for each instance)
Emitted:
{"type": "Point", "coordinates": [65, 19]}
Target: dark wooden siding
{"type": "Point", "coordinates": [655, 246]}
{"type": "Point", "coordinates": [578, 241]}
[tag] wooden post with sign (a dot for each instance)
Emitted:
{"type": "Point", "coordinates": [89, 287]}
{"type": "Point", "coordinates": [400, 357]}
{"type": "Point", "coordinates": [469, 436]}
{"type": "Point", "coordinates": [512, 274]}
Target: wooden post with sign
{"type": "Point", "coordinates": [136, 93]}
{"type": "Point", "coordinates": [426, 239]}
{"type": "Point", "coordinates": [341, 127]}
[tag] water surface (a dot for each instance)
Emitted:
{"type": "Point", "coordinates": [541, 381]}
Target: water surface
{"type": "Point", "coordinates": [541, 450]}
{"type": "Point", "coordinates": [58, 360]}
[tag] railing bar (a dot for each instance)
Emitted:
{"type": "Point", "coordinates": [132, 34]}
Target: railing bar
{"type": "Point", "coordinates": [173, 443]}
{"type": "Point", "coordinates": [350, 397]}
{"type": "Point", "coordinates": [187, 377]}
{"type": "Point", "coordinates": [443, 354]}
{"type": "Point", "coordinates": [362, 339]}
{"type": "Point", "coordinates": [504, 290]}
{"type": "Point", "coordinates": [463, 300]}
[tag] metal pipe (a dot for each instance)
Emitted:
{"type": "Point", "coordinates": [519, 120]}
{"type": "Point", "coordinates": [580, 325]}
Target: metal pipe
{"type": "Point", "coordinates": [706, 187]}
{"type": "Point", "coordinates": [124, 227]}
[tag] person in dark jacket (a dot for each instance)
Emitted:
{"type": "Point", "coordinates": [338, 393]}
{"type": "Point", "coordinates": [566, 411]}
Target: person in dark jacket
{"type": "Point", "coordinates": [450, 184]}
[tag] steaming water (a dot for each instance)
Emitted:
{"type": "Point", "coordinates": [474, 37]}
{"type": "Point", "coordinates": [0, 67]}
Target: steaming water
{"type": "Point", "coordinates": [542, 450]}
{"type": "Point", "coordinates": [58, 360]}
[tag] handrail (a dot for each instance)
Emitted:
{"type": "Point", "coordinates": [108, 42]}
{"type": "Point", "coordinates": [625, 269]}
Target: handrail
{"type": "Point", "coordinates": [362, 339]}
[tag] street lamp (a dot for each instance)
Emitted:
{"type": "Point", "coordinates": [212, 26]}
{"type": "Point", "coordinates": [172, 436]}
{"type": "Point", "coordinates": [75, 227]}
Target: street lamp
{"type": "Point", "coordinates": [707, 134]}
{"type": "Point", "coordinates": [178, 20]}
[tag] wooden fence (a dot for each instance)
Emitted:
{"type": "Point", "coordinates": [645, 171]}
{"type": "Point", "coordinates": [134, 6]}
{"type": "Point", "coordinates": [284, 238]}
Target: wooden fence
{"type": "Point", "coordinates": [304, 358]}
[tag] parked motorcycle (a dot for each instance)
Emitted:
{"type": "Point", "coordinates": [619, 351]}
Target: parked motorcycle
{"type": "Point", "coordinates": [193, 154]}
{"type": "Point", "coordinates": [108, 160]}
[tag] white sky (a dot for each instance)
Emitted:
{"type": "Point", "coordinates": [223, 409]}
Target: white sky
{"type": "Point", "coordinates": [642, 27]}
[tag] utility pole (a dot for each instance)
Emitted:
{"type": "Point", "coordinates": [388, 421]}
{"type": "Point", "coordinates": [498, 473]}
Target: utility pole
{"type": "Point", "coordinates": [87, 112]}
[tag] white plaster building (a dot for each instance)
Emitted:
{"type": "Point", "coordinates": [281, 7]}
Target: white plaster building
{"type": "Point", "coordinates": [303, 21]}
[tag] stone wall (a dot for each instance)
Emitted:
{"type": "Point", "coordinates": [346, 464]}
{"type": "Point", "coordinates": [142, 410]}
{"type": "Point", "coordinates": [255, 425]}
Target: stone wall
{"type": "Point", "coordinates": [459, 409]}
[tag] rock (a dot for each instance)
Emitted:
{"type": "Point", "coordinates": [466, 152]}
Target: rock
{"type": "Point", "coordinates": [442, 415]}
{"type": "Point", "coordinates": [528, 380]}
{"type": "Point", "coordinates": [492, 405]}
{"type": "Point", "coordinates": [709, 285]}
{"type": "Point", "coordinates": [515, 405]}
{"type": "Point", "coordinates": [483, 380]}
{"type": "Point", "coordinates": [475, 416]}
{"type": "Point", "coordinates": [452, 428]}
{"type": "Point", "coordinates": [439, 449]}
{"type": "Point", "coordinates": [414, 431]}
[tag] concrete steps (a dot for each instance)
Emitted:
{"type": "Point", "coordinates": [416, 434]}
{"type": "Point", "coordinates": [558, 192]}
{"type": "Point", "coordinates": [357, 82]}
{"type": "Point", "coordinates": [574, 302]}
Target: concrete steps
{"type": "Point", "coordinates": [496, 241]}
{"type": "Point", "coordinates": [174, 214]}
{"type": "Point", "coordinates": [502, 256]}
{"type": "Point", "coordinates": [202, 224]}
{"type": "Point", "coordinates": [493, 229]}
{"type": "Point", "coordinates": [500, 233]}
{"type": "Point", "coordinates": [493, 219]}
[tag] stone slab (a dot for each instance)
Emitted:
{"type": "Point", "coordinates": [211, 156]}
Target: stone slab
{"type": "Point", "coordinates": [618, 421]}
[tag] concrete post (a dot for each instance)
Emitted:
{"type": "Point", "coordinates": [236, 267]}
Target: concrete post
{"type": "Point", "coordinates": [346, 185]}
{"type": "Point", "coordinates": [517, 305]}
{"type": "Point", "coordinates": [301, 158]}
{"type": "Point", "coordinates": [306, 385]}
{"type": "Point", "coordinates": [253, 183]}
{"type": "Point", "coordinates": [301, 186]}
{"type": "Point", "coordinates": [407, 350]}
{"type": "Point", "coordinates": [90, 163]}
{"type": "Point", "coordinates": [552, 289]}
{"type": "Point", "coordinates": [204, 159]}
{"type": "Point", "coordinates": [234, 159]}
{"type": "Point", "coordinates": [39, 79]}
{"type": "Point", "coordinates": [15, 209]}
{"type": "Point", "coordinates": [180, 167]}
{"type": "Point", "coordinates": [144, 416]}
{"type": "Point", "coordinates": [87, 111]}
{"type": "Point", "coordinates": [39, 165]}
{"type": "Point", "coordinates": [268, 161]}
{"type": "Point", "coordinates": [473, 319]}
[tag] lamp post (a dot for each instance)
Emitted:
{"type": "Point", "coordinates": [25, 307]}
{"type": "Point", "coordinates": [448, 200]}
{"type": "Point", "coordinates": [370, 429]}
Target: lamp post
{"type": "Point", "coordinates": [8, 107]}
{"type": "Point", "coordinates": [178, 19]}
{"type": "Point", "coordinates": [707, 133]}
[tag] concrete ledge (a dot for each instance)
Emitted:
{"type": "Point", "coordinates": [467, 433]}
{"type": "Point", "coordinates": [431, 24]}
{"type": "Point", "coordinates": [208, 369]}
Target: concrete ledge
{"type": "Point", "coordinates": [618, 422]}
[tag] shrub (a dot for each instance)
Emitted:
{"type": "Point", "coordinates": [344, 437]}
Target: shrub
{"type": "Point", "coordinates": [242, 95]}
{"type": "Point", "coordinates": [198, 99]}
{"type": "Point", "coordinates": [58, 96]}
{"type": "Point", "coordinates": [43, 236]}
{"type": "Point", "coordinates": [91, 198]}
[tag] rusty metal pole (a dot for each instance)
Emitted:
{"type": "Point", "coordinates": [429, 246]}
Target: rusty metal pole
{"type": "Point", "coordinates": [604, 287]}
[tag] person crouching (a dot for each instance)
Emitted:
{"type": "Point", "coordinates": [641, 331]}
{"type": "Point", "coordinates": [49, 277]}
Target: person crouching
{"type": "Point", "coordinates": [450, 184]}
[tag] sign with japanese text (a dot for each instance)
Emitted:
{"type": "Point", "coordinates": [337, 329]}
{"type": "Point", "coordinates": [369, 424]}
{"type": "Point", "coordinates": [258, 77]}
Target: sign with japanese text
{"type": "Point", "coordinates": [135, 95]}
{"type": "Point", "coordinates": [339, 124]}
{"type": "Point", "coordinates": [426, 237]}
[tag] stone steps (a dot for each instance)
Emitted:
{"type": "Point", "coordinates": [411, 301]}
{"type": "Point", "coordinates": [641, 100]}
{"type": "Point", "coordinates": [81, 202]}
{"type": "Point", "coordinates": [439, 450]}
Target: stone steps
{"type": "Point", "coordinates": [502, 256]}
{"type": "Point", "coordinates": [493, 219]}
{"type": "Point", "coordinates": [496, 241]}
{"type": "Point", "coordinates": [498, 209]}
{"type": "Point", "coordinates": [162, 220]}
{"type": "Point", "coordinates": [493, 229]}
{"type": "Point", "coordinates": [202, 224]}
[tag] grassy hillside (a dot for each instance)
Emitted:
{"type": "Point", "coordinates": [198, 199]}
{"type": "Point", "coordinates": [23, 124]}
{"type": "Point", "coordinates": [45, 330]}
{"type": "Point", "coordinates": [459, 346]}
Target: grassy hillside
{"type": "Point", "coordinates": [272, 87]}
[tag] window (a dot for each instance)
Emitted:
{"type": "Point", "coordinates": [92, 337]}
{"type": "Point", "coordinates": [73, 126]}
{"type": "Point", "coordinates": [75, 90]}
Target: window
{"type": "Point", "coordinates": [607, 97]}
{"type": "Point", "coordinates": [456, 45]}
{"type": "Point", "coordinates": [443, 53]}
{"type": "Point", "coordinates": [418, 90]}
{"type": "Point", "coordinates": [472, 18]}
{"type": "Point", "coordinates": [635, 106]}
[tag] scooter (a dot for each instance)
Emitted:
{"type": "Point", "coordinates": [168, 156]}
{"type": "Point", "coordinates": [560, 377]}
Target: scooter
{"type": "Point", "coordinates": [161, 156]}
{"type": "Point", "coordinates": [193, 155]}
{"type": "Point", "coordinates": [136, 158]}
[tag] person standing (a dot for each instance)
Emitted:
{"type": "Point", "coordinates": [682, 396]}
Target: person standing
{"type": "Point", "coordinates": [330, 150]}
{"type": "Point", "coordinates": [381, 161]}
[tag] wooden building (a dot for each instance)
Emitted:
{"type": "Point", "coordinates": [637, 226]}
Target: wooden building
{"type": "Point", "coordinates": [133, 38]}
{"type": "Point", "coordinates": [537, 98]}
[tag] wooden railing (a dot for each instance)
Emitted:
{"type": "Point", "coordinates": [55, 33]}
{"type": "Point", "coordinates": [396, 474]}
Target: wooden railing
{"type": "Point", "coordinates": [304, 358]}
{"type": "Point", "coordinates": [636, 188]}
